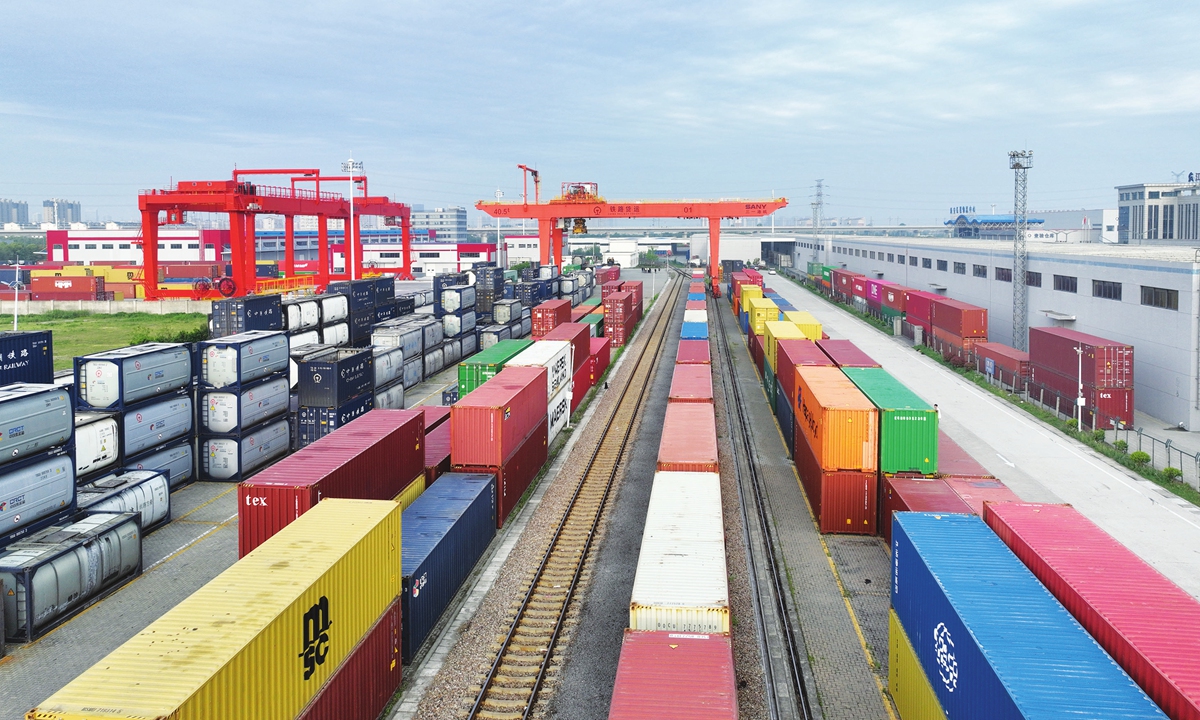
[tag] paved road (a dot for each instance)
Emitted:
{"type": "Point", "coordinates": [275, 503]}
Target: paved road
{"type": "Point", "coordinates": [1037, 462]}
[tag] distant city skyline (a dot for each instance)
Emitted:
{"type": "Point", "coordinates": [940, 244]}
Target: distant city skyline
{"type": "Point", "coordinates": [905, 111]}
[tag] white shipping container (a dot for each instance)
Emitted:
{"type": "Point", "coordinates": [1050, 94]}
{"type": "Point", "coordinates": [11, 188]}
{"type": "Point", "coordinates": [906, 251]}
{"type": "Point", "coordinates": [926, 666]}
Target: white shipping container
{"type": "Point", "coordinates": [558, 412]}
{"type": "Point", "coordinates": [557, 356]}
{"type": "Point", "coordinates": [700, 316]}
{"type": "Point", "coordinates": [141, 491]}
{"type": "Point", "coordinates": [226, 412]}
{"type": "Point", "coordinates": [681, 583]}
{"type": "Point", "coordinates": [389, 365]}
{"type": "Point", "coordinates": [96, 442]}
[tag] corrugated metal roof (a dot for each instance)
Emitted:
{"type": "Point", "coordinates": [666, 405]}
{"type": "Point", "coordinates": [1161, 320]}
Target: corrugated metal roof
{"type": "Point", "coordinates": [429, 517]}
{"type": "Point", "coordinates": [674, 676]}
{"type": "Point", "coordinates": [885, 391]}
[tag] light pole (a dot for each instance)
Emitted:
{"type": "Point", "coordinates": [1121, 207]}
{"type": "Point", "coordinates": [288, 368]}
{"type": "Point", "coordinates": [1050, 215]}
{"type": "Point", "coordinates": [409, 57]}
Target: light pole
{"type": "Point", "coordinates": [500, 194]}
{"type": "Point", "coordinates": [352, 167]}
{"type": "Point", "coordinates": [1079, 395]}
{"type": "Point", "coordinates": [16, 292]}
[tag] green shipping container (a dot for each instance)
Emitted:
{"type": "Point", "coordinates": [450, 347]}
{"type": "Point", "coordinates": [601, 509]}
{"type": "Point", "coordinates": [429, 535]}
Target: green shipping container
{"type": "Point", "coordinates": [592, 301]}
{"type": "Point", "coordinates": [827, 273]}
{"type": "Point", "coordinates": [483, 366]}
{"type": "Point", "coordinates": [908, 426]}
{"type": "Point", "coordinates": [595, 319]}
{"type": "Point", "coordinates": [768, 379]}
{"type": "Point", "coordinates": [890, 313]}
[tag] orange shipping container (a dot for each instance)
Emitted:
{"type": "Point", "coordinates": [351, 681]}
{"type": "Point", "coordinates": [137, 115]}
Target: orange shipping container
{"type": "Point", "coordinates": [839, 422]}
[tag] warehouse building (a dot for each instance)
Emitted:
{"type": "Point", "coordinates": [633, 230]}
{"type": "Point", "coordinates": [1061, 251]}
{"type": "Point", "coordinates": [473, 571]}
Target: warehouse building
{"type": "Point", "coordinates": [1147, 296]}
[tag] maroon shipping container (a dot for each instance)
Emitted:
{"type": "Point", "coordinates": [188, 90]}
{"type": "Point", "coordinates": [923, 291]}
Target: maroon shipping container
{"type": "Point", "coordinates": [893, 295]}
{"type": "Point", "coordinates": [581, 382]}
{"type": "Point", "coordinates": [607, 273]}
{"type": "Point", "coordinates": [977, 491]}
{"type": "Point", "coordinates": [875, 290]}
{"type": "Point", "coordinates": [1146, 622]}
{"type": "Point", "coordinates": [634, 287]}
{"type": "Point", "coordinates": [960, 318]}
{"type": "Point", "coordinates": [620, 333]}
{"type": "Point", "coordinates": [550, 315]}
{"type": "Point", "coordinates": [434, 415]}
{"type": "Point", "coordinates": [1106, 363]}
{"type": "Point", "coordinates": [918, 306]}
{"type": "Point", "coordinates": [689, 439]}
{"type": "Point", "coordinates": [1011, 361]}
{"type": "Point", "coordinates": [366, 680]}
{"type": "Point", "coordinates": [695, 305]}
{"type": "Point", "coordinates": [65, 295]}
{"type": "Point", "coordinates": [843, 501]}
{"type": "Point", "coordinates": [1112, 403]}
{"type": "Point", "coordinates": [791, 354]}
{"type": "Point", "coordinates": [858, 286]}
{"type": "Point", "coordinates": [579, 335]}
{"type": "Point", "coordinates": [951, 345]}
{"type": "Point", "coordinates": [693, 352]}
{"type": "Point", "coordinates": [757, 351]}
{"type": "Point", "coordinates": [691, 384]}
{"type": "Point", "coordinates": [517, 471]}
{"type": "Point", "coordinates": [600, 354]}
{"type": "Point", "coordinates": [488, 424]}
{"type": "Point", "coordinates": [373, 458]}
{"type": "Point", "coordinates": [618, 307]}
{"type": "Point", "coordinates": [844, 353]}
{"type": "Point", "coordinates": [843, 281]}
{"type": "Point", "coordinates": [953, 460]}
{"type": "Point", "coordinates": [902, 494]}
{"type": "Point", "coordinates": [610, 288]}
{"type": "Point", "coordinates": [674, 676]}
{"type": "Point", "coordinates": [64, 284]}
{"type": "Point", "coordinates": [437, 452]}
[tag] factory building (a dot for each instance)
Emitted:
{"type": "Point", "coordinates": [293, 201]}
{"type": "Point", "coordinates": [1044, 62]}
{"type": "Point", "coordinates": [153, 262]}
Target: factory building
{"type": "Point", "coordinates": [448, 223]}
{"type": "Point", "coordinates": [1159, 211]}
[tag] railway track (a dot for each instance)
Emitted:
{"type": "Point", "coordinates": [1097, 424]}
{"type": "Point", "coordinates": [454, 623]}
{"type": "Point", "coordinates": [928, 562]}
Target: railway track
{"type": "Point", "coordinates": [513, 683]}
{"type": "Point", "coordinates": [780, 641]}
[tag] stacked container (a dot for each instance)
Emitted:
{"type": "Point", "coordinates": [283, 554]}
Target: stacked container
{"type": "Point", "coordinates": [558, 358]}
{"type": "Point", "coordinates": [550, 315]}
{"type": "Point", "coordinates": [957, 326]}
{"type": "Point", "coordinates": [1061, 359]}
{"type": "Point", "coordinates": [37, 477]}
{"type": "Point", "coordinates": [790, 354]}
{"type": "Point", "coordinates": [335, 319]}
{"type": "Point", "coordinates": [620, 318]}
{"type": "Point", "coordinates": [478, 369]}
{"type": "Point", "coordinates": [389, 377]}
{"type": "Point", "coordinates": [233, 316]}
{"type": "Point", "coordinates": [908, 426]}
{"type": "Point", "coordinates": [458, 310]}
{"type": "Point", "coordinates": [334, 390]}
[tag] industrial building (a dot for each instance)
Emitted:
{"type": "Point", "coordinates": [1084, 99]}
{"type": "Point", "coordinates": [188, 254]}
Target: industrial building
{"type": "Point", "coordinates": [449, 224]}
{"type": "Point", "coordinates": [1158, 211]}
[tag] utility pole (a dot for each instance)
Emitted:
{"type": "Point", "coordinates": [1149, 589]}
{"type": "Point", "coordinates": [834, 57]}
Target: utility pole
{"type": "Point", "coordinates": [352, 167]}
{"type": "Point", "coordinates": [501, 249]}
{"type": "Point", "coordinates": [1020, 161]}
{"type": "Point", "coordinates": [818, 206]}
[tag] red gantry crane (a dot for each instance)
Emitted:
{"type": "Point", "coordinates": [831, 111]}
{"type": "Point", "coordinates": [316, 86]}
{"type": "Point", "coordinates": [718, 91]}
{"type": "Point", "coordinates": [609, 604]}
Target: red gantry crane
{"type": "Point", "coordinates": [242, 200]}
{"type": "Point", "coordinates": [581, 201]}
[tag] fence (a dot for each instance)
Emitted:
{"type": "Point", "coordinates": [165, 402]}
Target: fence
{"type": "Point", "coordinates": [1162, 453]}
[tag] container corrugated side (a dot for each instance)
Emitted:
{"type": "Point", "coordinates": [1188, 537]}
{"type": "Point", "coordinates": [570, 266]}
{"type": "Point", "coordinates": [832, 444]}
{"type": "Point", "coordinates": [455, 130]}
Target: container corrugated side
{"type": "Point", "coordinates": [367, 680]}
{"type": "Point", "coordinates": [918, 494]}
{"type": "Point", "coordinates": [260, 639]}
{"type": "Point", "coordinates": [908, 426]}
{"type": "Point", "coordinates": [761, 312]}
{"type": "Point", "coordinates": [792, 353]}
{"type": "Point", "coordinates": [689, 439]}
{"type": "Point", "coordinates": [992, 640]}
{"type": "Point", "coordinates": [674, 676]}
{"type": "Point", "coordinates": [691, 383]}
{"type": "Point", "coordinates": [954, 460]}
{"type": "Point", "coordinates": [579, 335]}
{"type": "Point", "coordinates": [1145, 621]}
{"type": "Point", "coordinates": [409, 494]}
{"type": "Point", "coordinates": [976, 491]}
{"type": "Point", "coordinates": [837, 419]}
{"type": "Point", "coordinates": [910, 688]}
{"type": "Point", "coordinates": [844, 353]}
{"type": "Point", "coordinates": [776, 330]}
{"type": "Point", "coordinates": [842, 501]}
{"type": "Point", "coordinates": [808, 324]}
{"type": "Point", "coordinates": [681, 583]}
{"type": "Point", "coordinates": [517, 471]}
{"type": "Point", "coordinates": [478, 369]}
{"type": "Point", "coordinates": [489, 423]}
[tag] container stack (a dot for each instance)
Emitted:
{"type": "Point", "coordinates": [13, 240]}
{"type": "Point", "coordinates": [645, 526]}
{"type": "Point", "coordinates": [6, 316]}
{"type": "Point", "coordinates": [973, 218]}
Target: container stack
{"type": "Point", "coordinates": [37, 463]}
{"type": "Point", "coordinates": [620, 317]}
{"type": "Point", "coordinates": [69, 288]}
{"type": "Point", "coordinates": [443, 281]}
{"type": "Point", "coordinates": [333, 391]}
{"type": "Point", "coordinates": [550, 315]}
{"type": "Point", "coordinates": [335, 320]}
{"type": "Point", "coordinates": [489, 288]}
{"type": "Point", "coordinates": [301, 320]}
{"type": "Point", "coordinates": [458, 312]}
{"type": "Point", "coordinates": [557, 357]}
{"type": "Point", "coordinates": [253, 312]}
{"type": "Point", "coordinates": [957, 326]}
{"type": "Point", "coordinates": [362, 298]}
{"type": "Point", "coordinates": [485, 365]}
{"type": "Point", "coordinates": [1062, 359]}
{"type": "Point", "coordinates": [389, 377]}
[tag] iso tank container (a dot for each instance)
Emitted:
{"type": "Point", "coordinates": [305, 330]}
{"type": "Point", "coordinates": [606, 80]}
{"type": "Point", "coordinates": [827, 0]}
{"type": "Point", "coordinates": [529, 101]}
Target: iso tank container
{"type": "Point", "coordinates": [116, 378]}
{"type": "Point", "coordinates": [446, 531]}
{"type": "Point", "coordinates": [230, 411]}
{"type": "Point", "coordinates": [478, 369]}
{"type": "Point", "coordinates": [558, 412]}
{"type": "Point", "coordinates": [319, 586]}
{"type": "Point", "coordinates": [918, 494]}
{"type": "Point", "coordinates": [335, 308]}
{"type": "Point", "coordinates": [26, 357]}
{"type": "Point", "coordinates": [388, 364]}
{"type": "Point", "coordinates": [443, 281]}
{"type": "Point", "coordinates": [331, 380]}
{"type": "Point", "coordinates": [681, 583]}
{"type": "Point", "coordinates": [517, 471]}
{"type": "Point", "coordinates": [556, 356]}
{"type": "Point", "coordinates": [693, 352]}
{"type": "Point", "coordinates": [1106, 363]}
{"type": "Point", "coordinates": [842, 501]}
{"type": "Point", "coordinates": [689, 439]}
{"type": "Point", "coordinates": [390, 397]}
{"type": "Point", "coordinates": [145, 492]}
{"type": "Point", "coordinates": [457, 298]}
{"type": "Point", "coordinates": [505, 311]}
{"type": "Point", "coordinates": [304, 337]}
{"type": "Point", "coordinates": [846, 354]}
{"type": "Point", "coordinates": [300, 315]}
{"type": "Point", "coordinates": [490, 423]}
{"type": "Point", "coordinates": [374, 459]}
{"type": "Point", "coordinates": [907, 682]}
{"type": "Point", "coordinates": [177, 462]}
{"type": "Point", "coordinates": [455, 325]}
{"type": "Point", "coordinates": [694, 331]}
{"type": "Point", "coordinates": [674, 676]}
{"type": "Point", "coordinates": [469, 345]}
{"type": "Point", "coordinates": [433, 361]}
{"type": "Point", "coordinates": [493, 334]}
{"type": "Point", "coordinates": [579, 335]}
{"type": "Point", "coordinates": [777, 330]}
{"type": "Point", "coordinates": [977, 491]}
{"type": "Point", "coordinates": [360, 293]}
{"type": "Point", "coordinates": [97, 445]}
{"type": "Point", "coordinates": [32, 492]}
{"type": "Point", "coordinates": [414, 371]}
{"type": "Point", "coordinates": [337, 334]}
{"type": "Point", "coordinates": [955, 461]}
{"type": "Point", "coordinates": [992, 640]}
{"type": "Point", "coordinates": [789, 354]}
{"type": "Point", "coordinates": [314, 423]}
{"type": "Point", "coordinates": [550, 315]}
{"type": "Point", "coordinates": [52, 574]}
{"type": "Point", "coordinates": [691, 383]}
{"type": "Point", "coordinates": [409, 337]}
{"type": "Point", "coordinates": [908, 426]}
{"type": "Point", "coordinates": [238, 359]}
{"type": "Point", "coordinates": [452, 351]}
{"type": "Point", "coordinates": [155, 423]}
{"type": "Point", "coordinates": [837, 420]}
{"type": "Point", "coordinates": [230, 459]}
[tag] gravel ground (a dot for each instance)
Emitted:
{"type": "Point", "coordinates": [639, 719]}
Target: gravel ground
{"type": "Point", "coordinates": [454, 689]}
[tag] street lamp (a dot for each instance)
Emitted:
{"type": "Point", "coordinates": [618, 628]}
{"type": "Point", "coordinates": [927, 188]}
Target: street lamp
{"type": "Point", "coordinates": [500, 194]}
{"type": "Point", "coordinates": [1079, 395]}
{"type": "Point", "coordinates": [352, 167]}
{"type": "Point", "coordinates": [16, 292]}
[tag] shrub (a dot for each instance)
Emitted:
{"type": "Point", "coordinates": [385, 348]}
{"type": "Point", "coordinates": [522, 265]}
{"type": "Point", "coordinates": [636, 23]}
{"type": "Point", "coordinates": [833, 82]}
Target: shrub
{"type": "Point", "coordinates": [1121, 446]}
{"type": "Point", "coordinates": [1140, 458]}
{"type": "Point", "coordinates": [1172, 474]}
{"type": "Point", "coordinates": [1098, 435]}
{"type": "Point", "coordinates": [958, 362]}
{"type": "Point", "coordinates": [1071, 424]}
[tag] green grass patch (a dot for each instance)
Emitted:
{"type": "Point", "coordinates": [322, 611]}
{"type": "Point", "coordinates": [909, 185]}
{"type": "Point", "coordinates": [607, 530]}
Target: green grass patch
{"type": "Point", "coordinates": [79, 333]}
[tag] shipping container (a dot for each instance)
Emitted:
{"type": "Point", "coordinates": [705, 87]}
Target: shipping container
{"type": "Point", "coordinates": [843, 281]}
{"type": "Point", "coordinates": [227, 412]}
{"type": "Point", "coordinates": [600, 356]}
{"type": "Point", "coordinates": [490, 423]}
{"type": "Point", "coordinates": [414, 371]}
{"type": "Point", "coordinates": [791, 354]}
{"type": "Point", "coordinates": [918, 494]}
{"type": "Point", "coordinates": [786, 417]}
{"type": "Point", "coordinates": [837, 419]}
{"type": "Point", "coordinates": [694, 331]}
{"type": "Point", "coordinates": [178, 461]}
{"type": "Point", "coordinates": [28, 357]}
{"type": "Point", "coordinates": [238, 359]}
{"type": "Point", "coordinates": [846, 354]}
{"type": "Point", "coordinates": [908, 432]}
{"type": "Point", "coordinates": [579, 335]}
{"type": "Point", "coordinates": [556, 356]}
{"type": "Point", "coordinates": [446, 531]}
{"type": "Point", "coordinates": [517, 471]}
{"type": "Point", "coordinates": [232, 459]}
{"type": "Point", "coordinates": [298, 315]}
{"type": "Point", "coordinates": [155, 423]}
{"type": "Point", "coordinates": [390, 397]}
{"type": "Point", "coordinates": [52, 574]}
{"type": "Point", "coordinates": [550, 315]}
{"type": "Point", "coordinates": [675, 676]}
{"type": "Point", "coordinates": [67, 284]}
{"type": "Point", "coordinates": [909, 686]}
{"type": "Point", "coordinates": [1105, 363]}
{"type": "Point", "coordinates": [361, 323]}
{"type": "Point", "coordinates": [775, 331]}
{"type": "Point", "coordinates": [303, 351]}
{"type": "Point", "coordinates": [558, 413]}
{"type": "Point", "coordinates": [1142, 619]}
{"type": "Point", "coordinates": [337, 334]}
{"type": "Point", "coordinates": [315, 423]}
{"type": "Point", "coordinates": [363, 685]}
{"type": "Point", "coordinates": [581, 382]}
{"type": "Point", "coordinates": [695, 316]}
{"type": "Point", "coordinates": [361, 293]}
{"type": "Point", "coordinates": [437, 452]}
{"type": "Point", "coordinates": [478, 369]}
{"type": "Point", "coordinates": [319, 587]}
{"type": "Point", "coordinates": [331, 380]}
{"type": "Point", "coordinates": [976, 491]}
{"type": "Point", "coordinates": [689, 439]}
{"type": "Point", "coordinates": [1102, 407]}
{"type": "Point", "coordinates": [954, 461]}
{"type": "Point", "coordinates": [34, 491]}
{"type": "Point", "coordinates": [681, 583]}
{"type": "Point", "coordinates": [1001, 361]}
{"type": "Point", "coordinates": [695, 305]}
{"type": "Point", "coordinates": [116, 378]}
{"type": "Point", "coordinates": [809, 325]}
{"type": "Point", "coordinates": [762, 311]}
{"type": "Point", "coordinates": [145, 492]}
{"type": "Point", "coordinates": [959, 318]}
{"type": "Point", "coordinates": [693, 352]}
{"type": "Point", "coordinates": [992, 640]}
{"type": "Point", "coordinates": [96, 442]}
{"type": "Point", "coordinates": [918, 306]}
{"type": "Point", "coordinates": [692, 384]}
{"type": "Point", "coordinates": [405, 305]}
{"type": "Point", "coordinates": [409, 337]}
{"type": "Point", "coordinates": [842, 501]}
{"type": "Point", "coordinates": [252, 312]}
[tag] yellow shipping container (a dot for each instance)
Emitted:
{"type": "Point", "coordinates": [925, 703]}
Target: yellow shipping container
{"type": "Point", "coordinates": [65, 271]}
{"type": "Point", "coordinates": [122, 274]}
{"type": "Point", "coordinates": [410, 493]}
{"type": "Point", "coordinates": [805, 321]}
{"type": "Point", "coordinates": [914, 696]}
{"type": "Point", "coordinates": [260, 639]}
{"type": "Point", "coordinates": [777, 330]}
{"type": "Point", "coordinates": [749, 292]}
{"type": "Point", "coordinates": [761, 312]}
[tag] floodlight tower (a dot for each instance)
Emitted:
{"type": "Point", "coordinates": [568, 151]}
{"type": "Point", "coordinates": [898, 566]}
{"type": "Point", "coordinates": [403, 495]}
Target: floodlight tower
{"type": "Point", "coordinates": [818, 206]}
{"type": "Point", "coordinates": [1020, 161]}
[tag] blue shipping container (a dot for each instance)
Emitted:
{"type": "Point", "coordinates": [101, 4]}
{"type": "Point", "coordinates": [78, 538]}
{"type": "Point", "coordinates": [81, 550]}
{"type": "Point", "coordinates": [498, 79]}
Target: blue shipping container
{"type": "Point", "coordinates": [744, 321]}
{"type": "Point", "coordinates": [696, 296]}
{"type": "Point", "coordinates": [993, 641]}
{"type": "Point", "coordinates": [694, 331]}
{"type": "Point", "coordinates": [445, 532]}
{"type": "Point", "coordinates": [787, 418]}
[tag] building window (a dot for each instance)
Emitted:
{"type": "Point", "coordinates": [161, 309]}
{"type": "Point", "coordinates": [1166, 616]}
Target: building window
{"type": "Point", "coordinates": [162, 247]}
{"type": "Point", "coordinates": [872, 254]}
{"type": "Point", "coordinates": [193, 246]}
{"type": "Point", "coordinates": [72, 246]}
{"type": "Point", "coordinates": [892, 258]}
{"type": "Point", "coordinates": [106, 246]}
{"type": "Point", "coordinates": [1033, 279]}
{"type": "Point", "coordinates": [1066, 283]}
{"type": "Point", "coordinates": [389, 255]}
{"type": "Point", "coordinates": [428, 255]}
{"type": "Point", "coordinates": [469, 255]}
{"type": "Point", "coordinates": [1107, 290]}
{"type": "Point", "coordinates": [943, 265]}
{"type": "Point", "coordinates": [89, 246]}
{"type": "Point", "coordinates": [1160, 297]}
{"type": "Point", "coordinates": [912, 260]}
{"type": "Point", "coordinates": [979, 270]}
{"type": "Point", "coordinates": [927, 263]}
{"type": "Point", "coordinates": [179, 246]}
{"type": "Point", "coordinates": [124, 246]}
{"type": "Point", "coordinates": [1153, 194]}
{"type": "Point", "coordinates": [1004, 274]}
{"type": "Point", "coordinates": [857, 252]}
{"type": "Point", "coordinates": [960, 268]}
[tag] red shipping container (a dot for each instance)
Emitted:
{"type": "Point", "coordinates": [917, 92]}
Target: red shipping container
{"type": "Point", "coordinates": [754, 275]}
{"type": "Point", "coordinates": [858, 287]}
{"type": "Point", "coordinates": [793, 353]}
{"type": "Point", "coordinates": [600, 357]}
{"type": "Point", "coordinates": [689, 439]}
{"type": "Point", "coordinates": [693, 352]}
{"type": "Point", "coordinates": [892, 296]}
{"type": "Point", "coordinates": [1143, 620]}
{"type": "Point", "coordinates": [875, 290]}
{"type": "Point", "coordinates": [580, 312]}
{"type": "Point", "coordinates": [918, 306]}
{"type": "Point", "coordinates": [609, 288]}
{"type": "Point", "coordinates": [518, 470]}
{"type": "Point", "coordinates": [953, 460]}
{"type": "Point", "coordinates": [959, 318]}
{"type": "Point", "coordinates": [843, 281]}
{"type": "Point", "coordinates": [607, 273]}
{"type": "Point", "coordinates": [695, 305]}
{"type": "Point", "coordinates": [580, 384]}
{"type": "Point", "coordinates": [842, 502]}
{"type": "Point", "coordinates": [488, 424]}
{"type": "Point", "coordinates": [696, 287]}
{"type": "Point", "coordinates": [620, 334]}
{"type": "Point", "coordinates": [550, 315]}
{"type": "Point", "coordinates": [951, 345]}
{"type": "Point", "coordinates": [65, 295]}
{"type": "Point", "coordinates": [913, 494]}
{"type": "Point", "coordinates": [1011, 361]}
{"type": "Point", "coordinates": [373, 458]}
{"type": "Point", "coordinates": [977, 491]}
{"type": "Point", "coordinates": [579, 335]}
{"type": "Point", "coordinates": [434, 415]}
{"type": "Point", "coordinates": [691, 384]}
{"type": "Point", "coordinates": [635, 287]}
{"type": "Point", "coordinates": [74, 284]}
{"type": "Point", "coordinates": [437, 452]}
{"type": "Point", "coordinates": [757, 352]}
{"type": "Point", "coordinates": [844, 353]}
{"type": "Point", "coordinates": [674, 676]}
{"type": "Point", "coordinates": [366, 680]}
{"type": "Point", "coordinates": [618, 307]}
{"type": "Point", "coordinates": [1113, 403]}
{"type": "Point", "coordinates": [1106, 363]}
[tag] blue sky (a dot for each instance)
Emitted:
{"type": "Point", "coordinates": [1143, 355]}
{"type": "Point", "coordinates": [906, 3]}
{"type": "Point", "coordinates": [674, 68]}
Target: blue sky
{"type": "Point", "coordinates": [904, 108]}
